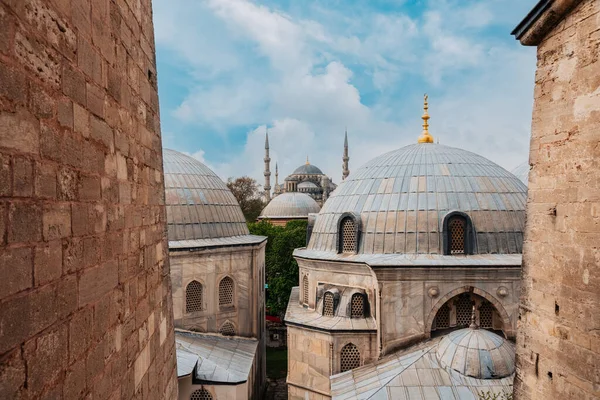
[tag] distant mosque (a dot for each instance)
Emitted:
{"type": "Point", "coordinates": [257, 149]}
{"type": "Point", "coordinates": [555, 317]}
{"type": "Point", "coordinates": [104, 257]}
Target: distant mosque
{"type": "Point", "coordinates": [303, 192]}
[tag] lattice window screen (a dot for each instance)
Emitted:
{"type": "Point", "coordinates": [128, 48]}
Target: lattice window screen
{"type": "Point", "coordinates": [442, 318]}
{"type": "Point", "coordinates": [357, 309]}
{"type": "Point", "coordinates": [485, 314]}
{"type": "Point", "coordinates": [201, 394]}
{"type": "Point", "coordinates": [305, 289]}
{"type": "Point", "coordinates": [464, 309]}
{"type": "Point", "coordinates": [349, 357]}
{"type": "Point", "coordinates": [193, 297]}
{"type": "Point", "coordinates": [226, 291]}
{"type": "Point", "coordinates": [328, 304]}
{"type": "Point", "coordinates": [348, 236]}
{"type": "Point", "coordinates": [457, 227]}
{"type": "Point", "coordinates": [227, 329]}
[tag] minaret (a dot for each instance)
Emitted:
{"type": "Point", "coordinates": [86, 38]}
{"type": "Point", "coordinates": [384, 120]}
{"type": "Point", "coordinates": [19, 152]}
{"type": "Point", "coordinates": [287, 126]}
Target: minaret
{"type": "Point", "coordinates": [276, 179]}
{"type": "Point", "coordinates": [267, 169]}
{"type": "Point", "coordinates": [325, 187]}
{"type": "Point", "coordinates": [345, 158]}
{"type": "Point", "coordinates": [425, 136]}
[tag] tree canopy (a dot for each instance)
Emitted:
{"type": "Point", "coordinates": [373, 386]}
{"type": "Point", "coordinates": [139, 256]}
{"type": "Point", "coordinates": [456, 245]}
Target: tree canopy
{"type": "Point", "coordinates": [281, 267]}
{"type": "Point", "coordinates": [247, 192]}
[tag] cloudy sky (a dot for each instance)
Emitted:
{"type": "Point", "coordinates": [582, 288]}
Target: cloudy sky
{"type": "Point", "coordinates": [228, 69]}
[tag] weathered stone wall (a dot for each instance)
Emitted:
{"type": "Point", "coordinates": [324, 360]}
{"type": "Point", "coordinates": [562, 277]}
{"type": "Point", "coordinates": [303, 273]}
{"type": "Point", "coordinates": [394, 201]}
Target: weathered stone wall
{"type": "Point", "coordinates": [558, 342]}
{"type": "Point", "coordinates": [85, 301]}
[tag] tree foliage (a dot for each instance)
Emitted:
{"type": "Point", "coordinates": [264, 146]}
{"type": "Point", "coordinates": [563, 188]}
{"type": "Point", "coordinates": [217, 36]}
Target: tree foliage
{"type": "Point", "coordinates": [247, 192]}
{"type": "Point", "coordinates": [281, 267]}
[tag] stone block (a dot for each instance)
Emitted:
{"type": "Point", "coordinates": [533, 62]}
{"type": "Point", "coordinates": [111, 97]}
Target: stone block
{"type": "Point", "coordinates": [12, 375]}
{"type": "Point", "coordinates": [73, 85]}
{"type": "Point", "coordinates": [74, 384]}
{"type": "Point", "coordinates": [19, 131]}
{"type": "Point", "coordinates": [13, 85]}
{"type": "Point", "coordinates": [80, 339]}
{"type": "Point", "coordinates": [16, 269]}
{"type": "Point", "coordinates": [65, 113]}
{"type": "Point", "coordinates": [89, 188]}
{"type": "Point", "coordinates": [95, 100]}
{"type": "Point", "coordinates": [56, 221]}
{"type": "Point", "coordinates": [22, 177]}
{"type": "Point", "coordinates": [68, 184]}
{"type": "Point", "coordinates": [72, 255]}
{"type": "Point", "coordinates": [102, 133]}
{"type": "Point", "coordinates": [5, 176]}
{"type": "Point", "coordinates": [48, 262]}
{"type": "Point", "coordinates": [45, 180]}
{"type": "Point", "coordinates": [89, 60]}
{"type": "Point", "coordinates": [24, 222]}
{"type": "Point", "coordinates": [41, 60]}
{"type": "Point", "coordinates": [95, 282]}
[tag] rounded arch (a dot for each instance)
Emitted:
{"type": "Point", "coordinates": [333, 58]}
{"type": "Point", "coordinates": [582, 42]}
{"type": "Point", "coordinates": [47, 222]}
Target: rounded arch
{"type": "Point", "coordinates": [469, 232]}
{"type": "Point", "coordinates": [194, 296]}
{"type": "Point", "coordinates": [508, 331]}
{"type": "Point", "coordinates": [348, 233]}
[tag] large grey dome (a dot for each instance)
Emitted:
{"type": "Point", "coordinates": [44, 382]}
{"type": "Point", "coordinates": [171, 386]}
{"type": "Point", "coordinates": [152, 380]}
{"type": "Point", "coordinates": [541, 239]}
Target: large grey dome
{"type": "Point", "coordinates": [477, 353]}
{"type": "Point", "coordinates": [199, 204]}
{"type": "Point", "coordinates": [403, 196]}
{"type": "Point", "coordinates": [307, 169]}
{"type": "Point", "coordinates": [522, 172]}
{"type": "Point", "coordinates": [290, 205]}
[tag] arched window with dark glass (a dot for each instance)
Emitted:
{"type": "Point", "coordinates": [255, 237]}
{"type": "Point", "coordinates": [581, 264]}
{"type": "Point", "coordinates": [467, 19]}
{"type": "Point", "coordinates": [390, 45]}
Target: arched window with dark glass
{"type": "Point", "coordinates": [458, 234]}
{"type": "Point", "coordinates": [348, 238]}
{"type": "Point", "coordinates": [305, 289]}
{"type": "Point", "coordinates": [226, 291]}
{"type": "Point", "coordinates": [227, 329]}
{"type": "Point", "coordinates": [201, 394]}
{"type": "Point", "coordinates": [328, 304]}
{"type": "Point", "coordinates": [357, 306]}
{"type": "Point", "coordinates": [193, 297]}
{"type": "Point", "coordinates": [349, 357]}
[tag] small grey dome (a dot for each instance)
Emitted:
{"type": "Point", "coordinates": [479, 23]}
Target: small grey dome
{"type": "Point", "coordinates": [307, 185]}
{"type": "Point", "coordinates": [403, 196]}
{"type": "Point", "coordinates": [290, 205]}
{"type": "Point", "coordinates": [307, 169]}
{"type": "Point", "coordinates": [199, 204]}
{"type": "Point", "coordinates": [477, 353]}
{"type": "Point", "coordinates": [522, 172]}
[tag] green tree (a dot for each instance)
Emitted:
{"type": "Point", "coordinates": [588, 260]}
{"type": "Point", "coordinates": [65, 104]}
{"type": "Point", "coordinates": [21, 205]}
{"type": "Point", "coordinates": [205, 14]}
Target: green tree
{"type": "Point", "coordinates": [281, 267]}
{"type": "Point", "coordinates": [247, 192]}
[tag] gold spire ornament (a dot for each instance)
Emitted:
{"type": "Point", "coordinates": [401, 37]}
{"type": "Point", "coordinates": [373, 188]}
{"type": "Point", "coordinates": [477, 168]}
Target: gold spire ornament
{"type": "Point", "coordinates": [425, 136]}
{"type": "Point", "coordinates": [307, 163]}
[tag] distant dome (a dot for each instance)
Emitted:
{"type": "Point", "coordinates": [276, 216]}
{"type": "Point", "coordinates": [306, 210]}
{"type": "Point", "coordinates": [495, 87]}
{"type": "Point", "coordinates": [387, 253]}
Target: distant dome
{"type": "Point", "coordinates": [522, 172]}
{"type": "Point", "coordinates": [403, 196]}
{"type": "Point", "coordinates": [290, 205]}
{"type": "Point", "coordinates": [199, 204]}
{"type": "Point", "coordinates": [307, 185]}
{"type": "Point", "coordinates": [307, 169]}
{"type": "Point", "coordinates": [478, 353]}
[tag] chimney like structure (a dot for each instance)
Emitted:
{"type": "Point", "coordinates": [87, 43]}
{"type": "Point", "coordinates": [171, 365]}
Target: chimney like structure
{"type": "Point", "coordinates": [325, 187]}
{"type": "Point", "coordinates": [346, 158]}
{"type": "Point", "coordinates": [267, 169]}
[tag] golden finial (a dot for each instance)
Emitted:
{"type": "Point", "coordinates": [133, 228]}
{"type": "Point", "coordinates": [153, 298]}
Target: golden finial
{"type": "Point", "coordinates": [307, 163]}
{"type": "Point", "coordinates": [425, 136]}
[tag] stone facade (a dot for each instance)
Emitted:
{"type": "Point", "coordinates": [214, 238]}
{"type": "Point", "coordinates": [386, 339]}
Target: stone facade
{"type": "Point", "coordinates": [558, 342]}
{"type": "Point", "coordinates": [85, 299]}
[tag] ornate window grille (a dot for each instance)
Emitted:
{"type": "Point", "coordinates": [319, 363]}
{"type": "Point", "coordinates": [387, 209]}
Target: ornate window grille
{"type": "Point", "coordinates": [485, 314]}
{"type": "Point", "coordinates": [328, 306]}
{"type": "Point", "coordinates": [357, 306]}
{"type": "Point", "coordinates": [305, 289]}
{"type": "Point", "coordinates": [201, 394]}
{"type": "Point", "coordinates": [226, 291]}
{"type": "Point", "coordinates": [348, 235]}
{"type": "Point", "coordinates": [442, 318]}
{"type": "Point", "coordinates": [349, 357]}
{"type": "Point", "coordinates": [193, 297]}
{"type": "Point", "coordinates": [457, 227]}
{"type": "Point", "coordinates": [464, 309]}
{"type": "Point", "coordinates": [227, 329]}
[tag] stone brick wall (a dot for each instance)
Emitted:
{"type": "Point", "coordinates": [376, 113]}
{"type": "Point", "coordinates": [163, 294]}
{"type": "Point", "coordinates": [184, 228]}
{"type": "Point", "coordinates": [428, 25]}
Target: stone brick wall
{"type": "Point", "coordinates": [558, 342]}
{"type": "Point", "coordinates": [85, 301]}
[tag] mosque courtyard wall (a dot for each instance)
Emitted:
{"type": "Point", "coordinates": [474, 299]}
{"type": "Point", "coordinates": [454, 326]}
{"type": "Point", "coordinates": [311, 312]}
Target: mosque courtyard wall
{"type": "Point", "coordinates": [85, 298]}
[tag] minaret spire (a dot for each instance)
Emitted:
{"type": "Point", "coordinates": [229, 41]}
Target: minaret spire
{"type": "Point", "coordinates": [307, 162]}
{"type": "Point", "coordinates": [267, 168]}
{"type": "Point", "coordinates": [345, 158]}
{"type": "Point", "coordinates": [276, 179]}
{"type": "Point", "coordinates": [425, 136]}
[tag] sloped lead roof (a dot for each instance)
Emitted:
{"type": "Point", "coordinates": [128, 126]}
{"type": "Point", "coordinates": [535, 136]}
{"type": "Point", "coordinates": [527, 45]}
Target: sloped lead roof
{"type": "Point", "coordinates": [522, 172]}
{"type": "Point", "coordinates": [290, 205]}
{"type": "Point", "coordinates": [199, 204]}
{"type": "Point", "coordinates": [402, 198]}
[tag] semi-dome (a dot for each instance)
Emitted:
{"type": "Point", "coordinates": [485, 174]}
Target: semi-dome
{"type": "Point", "coordinates": [522, 172]}
{"type": "Point", "coordinates": [400, 200]}
{"type": "Point", "coordinates": [307, 185]}
{"type": "Point", "coordinates": [290, 205]}
{"type": "Point", "coordinates": [477, 353]}
{"type": "Point", "coordinates": [307, 169]}
{"type": "Point", "coordinates": [199, 204]}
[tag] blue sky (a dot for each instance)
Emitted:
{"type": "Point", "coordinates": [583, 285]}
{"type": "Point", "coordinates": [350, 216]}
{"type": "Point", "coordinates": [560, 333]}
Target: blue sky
{"type": "Point", "coordinates": [228, 69]}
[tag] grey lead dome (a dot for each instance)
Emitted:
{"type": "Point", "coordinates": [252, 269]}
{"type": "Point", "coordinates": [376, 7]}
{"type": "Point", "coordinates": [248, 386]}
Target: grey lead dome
{"type": "Point", "coordinates": [403, 196]}
{"type": "Point", "coordinates": [199, 204]}
{"type": "Point", "coordinates": [290, 205]}
{"type": "Point", "coordinates": [307, 169]}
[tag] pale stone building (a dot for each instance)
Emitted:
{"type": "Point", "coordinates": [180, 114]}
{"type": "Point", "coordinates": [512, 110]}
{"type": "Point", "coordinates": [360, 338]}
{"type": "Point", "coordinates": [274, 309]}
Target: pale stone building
{"type": "Point", "coordinates": [287, 207]}
{"type": "Point", "coordinates": [85, 291]}
{"type": "Point", "coordinates": [558, 344]}
{"type": "Point", "coordinates": [400, 253]}
{"type": "Point", "coordinates": [218, 277]}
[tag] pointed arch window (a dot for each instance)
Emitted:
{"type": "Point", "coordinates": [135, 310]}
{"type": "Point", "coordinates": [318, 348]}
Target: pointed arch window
{"type": "Point", "coordinates": [226, 291]}
{"type": "Point", "coordinates": [349, 357]}
{"type": "Point", "coordinates": [193, 297]}
{"type": "Point", "coordinates": [305, 290]}
{"type": "Point", "coordinates": [357, 306]}
{"type": "Point", "coordinates": [201, 394]}
{"type": "Point", "coordinates": [348, 233]}
{"type": "Point", "coordinates": [227, 329]}
{"type": "Point", "coordinates": [328, 304]}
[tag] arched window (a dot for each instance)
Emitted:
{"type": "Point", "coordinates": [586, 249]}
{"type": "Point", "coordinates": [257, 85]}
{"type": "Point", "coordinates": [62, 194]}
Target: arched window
{"type": "Point", "coordinates": [349, 357]}
{"type": "Point", "coordinates": [305, 289]}
{"type": "Point", "coordinates": [357, 306]}
{"type": "Point", "coordinates": [457, 232]}
{"type": "Point", "coordinates": [348, 235]}
{"type": "Point", "coordinates": [442, 318]}
{"type": "Point", "coordinates": [485, 315]}
{"type": "Point", "coordinates": [193, 297]}
{"type": "Point", "coordinates": [328, 305]}
{"type": "Point", "coordinates": [227, 329]}
{"type": "Point", "coordinates": [226, 291]}
{"type": "Point", "coordinates": [464, 310]}
{"type": "Point", "coordinates": [201, 394]}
